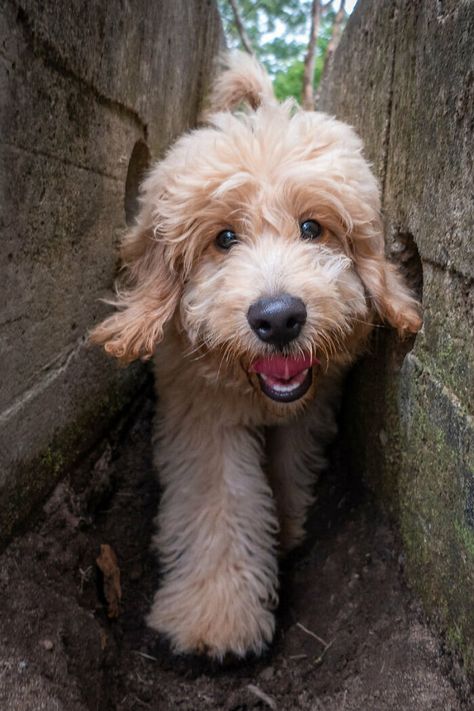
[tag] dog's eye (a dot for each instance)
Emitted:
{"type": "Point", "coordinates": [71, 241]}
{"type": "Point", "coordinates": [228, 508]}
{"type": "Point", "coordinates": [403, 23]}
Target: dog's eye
{"type": "Point", "coordinates": [226, 239]}
{"type": "Point", "coordinates": [310, 229]}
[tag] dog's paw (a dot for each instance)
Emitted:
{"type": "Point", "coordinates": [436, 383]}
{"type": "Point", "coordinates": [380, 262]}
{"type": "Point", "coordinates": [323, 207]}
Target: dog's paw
{"type": "Point", "coordinates": [292, 533]}
{"type": "Point", "coordinates": [213, 622]}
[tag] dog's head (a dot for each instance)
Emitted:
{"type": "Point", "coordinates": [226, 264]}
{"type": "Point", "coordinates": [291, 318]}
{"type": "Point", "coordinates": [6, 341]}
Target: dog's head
{"type": "Point", "coordinates": [260, 234]}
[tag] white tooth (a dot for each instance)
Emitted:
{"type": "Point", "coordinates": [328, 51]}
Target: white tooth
{"type": "Point", "coordinates": [280, 388]}
{"type": "Point", "coordinates": [285, 388]}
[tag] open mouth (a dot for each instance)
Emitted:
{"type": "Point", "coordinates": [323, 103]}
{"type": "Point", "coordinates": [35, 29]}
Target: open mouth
{"type": "Point", "coordinates": [284, 379]}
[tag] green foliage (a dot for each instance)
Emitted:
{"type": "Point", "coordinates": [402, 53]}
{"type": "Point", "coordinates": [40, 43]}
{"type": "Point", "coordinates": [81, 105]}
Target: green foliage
{"type": "Point", "coordinates": [279, 31]}
{"type": "Point", "coordinates": [289, 82]}
{"type": "Point", "coordinates": [265, 17]}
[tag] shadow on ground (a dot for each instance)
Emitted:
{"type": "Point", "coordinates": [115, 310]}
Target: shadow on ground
{"type": "Point", "coordinates": [350, 636]}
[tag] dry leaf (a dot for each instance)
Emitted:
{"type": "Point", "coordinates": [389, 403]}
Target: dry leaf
{"type": "Point", "coordinates": [103, 639]}
{"type": "Point", "coordinates": [107, 562]}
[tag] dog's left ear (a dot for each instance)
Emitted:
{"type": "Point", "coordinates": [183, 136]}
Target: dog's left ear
{"type": "Point", "coordinates": [148, 300]}
{"type": "Point", "coordinates": [390, 297]}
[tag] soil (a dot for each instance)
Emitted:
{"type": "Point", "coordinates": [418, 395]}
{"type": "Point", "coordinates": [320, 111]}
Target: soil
{"type": "Point", "coordinates": [351, 637]}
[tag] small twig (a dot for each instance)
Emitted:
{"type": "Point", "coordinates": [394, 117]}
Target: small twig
{"type": "Point", "coordinates": [269, 700]}
{"type": "Point", "coordinates": [298, 656]}
{"type": "Point", "coordinates": [85, 576]}
{"type": "Point", "coordinates": [145, 655]}
{"type": "Point", "coordinates": [344, 700]}
{"type": "Point", "coordinates": [319, 659]}
{"type": "Point", "coordinates": [312, 634]}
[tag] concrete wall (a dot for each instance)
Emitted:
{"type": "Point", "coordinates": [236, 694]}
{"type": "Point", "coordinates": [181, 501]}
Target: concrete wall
{"type": "Point", "coordinates": [403, 75]}
{"type": "Point", "coordinates": [88, 90]}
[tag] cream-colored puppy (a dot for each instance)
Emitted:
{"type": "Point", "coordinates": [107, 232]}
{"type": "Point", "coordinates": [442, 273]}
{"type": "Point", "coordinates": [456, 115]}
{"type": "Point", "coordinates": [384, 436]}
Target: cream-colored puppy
{"type": "Point", "coordinates": [257, 263]}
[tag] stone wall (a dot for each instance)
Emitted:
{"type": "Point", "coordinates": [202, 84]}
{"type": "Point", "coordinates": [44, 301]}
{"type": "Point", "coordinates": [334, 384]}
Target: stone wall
{"type": "Point", "coordinates": [88, 91]}
{"type": "Point", "coordinates": [403, 76]}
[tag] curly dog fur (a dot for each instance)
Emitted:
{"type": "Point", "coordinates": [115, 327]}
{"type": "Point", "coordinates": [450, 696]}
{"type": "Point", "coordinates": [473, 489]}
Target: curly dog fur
{"type": "Point", "coordinates": [259, 208]}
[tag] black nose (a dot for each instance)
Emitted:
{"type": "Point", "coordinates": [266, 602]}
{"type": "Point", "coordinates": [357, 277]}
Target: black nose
{"type": "Point", "coordinates": [277, 319]}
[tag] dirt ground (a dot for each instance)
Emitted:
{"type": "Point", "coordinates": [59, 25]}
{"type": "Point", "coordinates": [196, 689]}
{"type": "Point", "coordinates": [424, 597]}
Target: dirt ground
{"type": "Point", "coordinates": [350, 635]}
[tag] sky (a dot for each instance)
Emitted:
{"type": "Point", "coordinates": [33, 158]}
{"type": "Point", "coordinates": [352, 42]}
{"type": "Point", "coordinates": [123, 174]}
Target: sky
{"type": "Point", "coordinates": [350, 4]}
{"type": "Point", "coordinates": [282, 30]}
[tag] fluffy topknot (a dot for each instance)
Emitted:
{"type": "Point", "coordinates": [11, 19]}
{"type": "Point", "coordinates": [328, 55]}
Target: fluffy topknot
{"type": "Point", "coordinates": [241, 80]}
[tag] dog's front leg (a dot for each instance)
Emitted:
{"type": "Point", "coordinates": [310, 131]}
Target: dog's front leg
{"type": "Point", "coordinates": [217, 529]}
{"type": "Point", "coordinates": [296, 455]}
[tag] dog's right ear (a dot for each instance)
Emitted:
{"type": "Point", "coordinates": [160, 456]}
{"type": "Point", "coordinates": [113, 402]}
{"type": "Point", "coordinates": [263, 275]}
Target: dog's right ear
{"type": "Point", "coordinates": [146, 302]}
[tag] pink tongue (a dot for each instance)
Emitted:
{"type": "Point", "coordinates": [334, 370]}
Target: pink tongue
{"type": "Point", "coordinates": [282, 368]}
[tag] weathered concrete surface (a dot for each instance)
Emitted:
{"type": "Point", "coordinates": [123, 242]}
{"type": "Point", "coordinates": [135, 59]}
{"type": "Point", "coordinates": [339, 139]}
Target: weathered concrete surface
{"type": "Point", "coordinates": [81, 85]}
{"type": "Point", "coordinates": [404, 77]}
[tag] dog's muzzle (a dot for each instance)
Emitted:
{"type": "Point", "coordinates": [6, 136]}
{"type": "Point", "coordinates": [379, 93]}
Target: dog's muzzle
{"type": "Point", "coordinates": [284, 379]}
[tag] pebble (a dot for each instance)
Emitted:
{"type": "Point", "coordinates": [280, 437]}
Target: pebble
{"type": "Point", "coordinates": [267, 673]}
{"type": "Point", "coordinates": [47, 644]}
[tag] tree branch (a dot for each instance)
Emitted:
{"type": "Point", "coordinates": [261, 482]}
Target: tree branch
{"type": "Point", "coordinates": [336, 29]}
{"type": "Point", "coordinates": [244, 38]}
{"type": "Point", "coordinates": [332, 45]}
{"type": "Point", "coordinates": [308, 73]}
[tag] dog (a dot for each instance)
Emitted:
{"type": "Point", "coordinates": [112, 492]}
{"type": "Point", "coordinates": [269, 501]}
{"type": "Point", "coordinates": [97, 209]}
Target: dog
{"type": "Point", "coordinates": [255, 272]}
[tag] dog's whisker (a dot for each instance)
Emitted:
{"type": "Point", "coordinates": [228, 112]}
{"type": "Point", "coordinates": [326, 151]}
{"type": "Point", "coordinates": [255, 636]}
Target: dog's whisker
{"type": "Point", "coordinates": [191, 351]}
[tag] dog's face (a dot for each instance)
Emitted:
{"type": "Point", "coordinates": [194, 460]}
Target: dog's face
{"type": "Point", "coordinates": [281, 301]}
{"type": "Point", "coordinates": [260, 235]}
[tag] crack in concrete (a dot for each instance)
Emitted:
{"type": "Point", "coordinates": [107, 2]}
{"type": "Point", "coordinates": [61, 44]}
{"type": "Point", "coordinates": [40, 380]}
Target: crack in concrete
{"type": "Point", "coordinates": [446, 268]}
{"type": "Point", "coordinates": [40, 387]}
{"type": "Point", "coordinates": [52, 57]}
{"type": "Point", "coordinates": [63, 160]}
{"type": "Point", "coordinates": [452, 398]}
{"type": "Point", "coordinates": [388, 125]}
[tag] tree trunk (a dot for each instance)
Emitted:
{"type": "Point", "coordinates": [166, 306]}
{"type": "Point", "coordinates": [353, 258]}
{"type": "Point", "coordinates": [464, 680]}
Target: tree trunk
{"type": "Point", "coordinates": [336, 30]}
{"type": "Point", "coordinates": [308, 75]}
{"type": "Point", "coordinates": [244, 38]}
{"type": "Point", "coordinates": [332, 44]}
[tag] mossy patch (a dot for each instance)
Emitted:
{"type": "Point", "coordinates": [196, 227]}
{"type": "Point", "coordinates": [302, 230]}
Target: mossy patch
{"type": "Point", "coordinates": [436, 530]}
{"type": "Point", "coordinates": [466, 537]}
{"type": "Point", "coordinates": [413, 443]}
{"type": "Point", "coordinates": [32, 480]}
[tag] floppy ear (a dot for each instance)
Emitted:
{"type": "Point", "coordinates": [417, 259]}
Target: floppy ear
{"type": "Point", "coordinates": [390, 297]}
{"type": "Point", "coordinates": [148, 300]}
